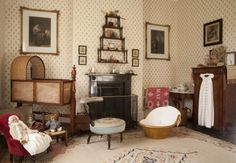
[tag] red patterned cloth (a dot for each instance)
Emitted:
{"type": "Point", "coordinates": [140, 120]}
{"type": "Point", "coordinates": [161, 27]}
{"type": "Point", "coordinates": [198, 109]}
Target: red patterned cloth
{"type": "Point", "coordinates": [156, 97]}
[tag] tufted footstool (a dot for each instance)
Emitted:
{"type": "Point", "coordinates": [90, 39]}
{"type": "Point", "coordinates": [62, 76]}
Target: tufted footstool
{"type": "Point", "coordinates": [103, 126]}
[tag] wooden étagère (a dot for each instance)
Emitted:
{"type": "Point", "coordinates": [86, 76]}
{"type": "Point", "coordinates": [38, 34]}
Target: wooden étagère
{"type": "Point", "coordinates": [112, 43]}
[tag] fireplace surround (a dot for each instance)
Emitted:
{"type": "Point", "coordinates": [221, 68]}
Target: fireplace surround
{"type": "Point", "coordinates": [118, 100]}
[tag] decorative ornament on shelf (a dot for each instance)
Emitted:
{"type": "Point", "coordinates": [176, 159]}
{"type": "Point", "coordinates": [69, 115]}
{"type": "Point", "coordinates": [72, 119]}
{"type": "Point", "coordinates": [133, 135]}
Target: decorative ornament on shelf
{"type": "Point", "coordinates": [112, 13]}
{"type": "Point", "coordinates": [92, 70]}
{"type": "Point", "coordinates": [111, 45]}
{"type": "Point", "coordinates": [216, 56]}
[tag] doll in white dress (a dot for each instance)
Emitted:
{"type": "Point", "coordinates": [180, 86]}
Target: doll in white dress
{"type": "Point", "coordinates": [33, 141]}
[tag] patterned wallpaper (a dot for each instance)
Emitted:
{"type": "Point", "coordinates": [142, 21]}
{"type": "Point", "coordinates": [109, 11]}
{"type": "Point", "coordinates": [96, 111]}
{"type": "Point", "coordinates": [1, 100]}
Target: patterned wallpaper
{"type": "Point", "coordinates": [191, 17]}
{"type": "Point", "coordinates": [56, 66]}
{"type": "Point", "coordinates": [1, 46]}
{"type": "Point", "coordinates": [88, 21]}
{"type": "Point", "coordinates": [186, 19]}
{"type": "Point", "coordinates": [80, 23]}
{"type": "Point", "coordinates": [161, 72]}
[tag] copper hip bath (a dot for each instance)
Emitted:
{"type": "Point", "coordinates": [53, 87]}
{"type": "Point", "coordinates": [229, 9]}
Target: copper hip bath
{"type": "Point", "coordinates": [160, 121]}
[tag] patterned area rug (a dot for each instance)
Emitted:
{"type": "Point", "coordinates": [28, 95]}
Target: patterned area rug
{"type": "Point", "coordinates": [184, 145]}
{"type": "Point", "coordinates": [154, 156]}
{"type": "Point", "coordinates": [149, 151]}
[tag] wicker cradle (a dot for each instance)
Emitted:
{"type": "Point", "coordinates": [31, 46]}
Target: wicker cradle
{"type": "Point", "coordinates": [27, 68]}
{"type": "Point", "coordinates": [28, 85]}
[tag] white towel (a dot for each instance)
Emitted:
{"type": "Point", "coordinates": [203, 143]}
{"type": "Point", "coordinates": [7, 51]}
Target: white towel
{"type": "Point", "coordinates": [206, 101]}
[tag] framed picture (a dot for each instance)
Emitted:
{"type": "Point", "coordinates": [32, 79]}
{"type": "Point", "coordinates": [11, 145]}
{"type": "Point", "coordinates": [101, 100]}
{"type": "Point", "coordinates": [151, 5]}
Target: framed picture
{"type": "Point", "coordinates": [157, 41]}
{"type": "Point", "coordinates": [82, 60]}
{"type": "Point", "coordinates": [135, 62]}
{"type": "Point", "coordinates": [135, 53]}
{"type": "Point", "coordinates": [39, 31]}
{"type": "Point", "coordinates": [213, 33]}
{"type": "Point", "coordinates": [230, 58]}
{"type": "Point", "coordinates": [82, 49]}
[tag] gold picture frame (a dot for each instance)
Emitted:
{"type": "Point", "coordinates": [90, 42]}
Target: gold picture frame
{"type": "Point", "coordinates": [157, 41]}
{"type": "Point", "coordinates": [82, 50]}
{"type": "Point", "coordinates": [135, 62]}
{"type": "Point", "coordinates": [135, 53]}
{"type": "Point", "coordinates": [39, 31]}
{"type": "Point", "coordinates": [82, 60]}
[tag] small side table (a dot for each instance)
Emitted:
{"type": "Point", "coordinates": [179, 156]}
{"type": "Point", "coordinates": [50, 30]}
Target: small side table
{"type": "Point", "coordinates": [178, 98]}
{"type": "Point", "coordinates": [58, 134]}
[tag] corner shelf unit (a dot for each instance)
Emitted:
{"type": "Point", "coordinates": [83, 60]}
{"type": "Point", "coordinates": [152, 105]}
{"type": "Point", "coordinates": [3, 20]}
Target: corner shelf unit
{"type": "Point", "coordinates": [112, 43]}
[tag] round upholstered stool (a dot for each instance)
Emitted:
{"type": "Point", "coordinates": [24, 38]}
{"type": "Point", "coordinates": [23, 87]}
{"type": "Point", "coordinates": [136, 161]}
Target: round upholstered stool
{"type": "Point", "coordinates": [103, 126]}
{"type": "Point", "coordinates": [108, 126]}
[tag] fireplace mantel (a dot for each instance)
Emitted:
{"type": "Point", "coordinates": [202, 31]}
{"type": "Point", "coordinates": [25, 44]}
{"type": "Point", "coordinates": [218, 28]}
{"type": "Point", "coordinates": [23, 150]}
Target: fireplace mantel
{"type": "Point", "coordinates": [116, 92]}
{"type": "Point", "coordinates": [97, 80]}
{"type": "Point", "coordinates": [110, 74]}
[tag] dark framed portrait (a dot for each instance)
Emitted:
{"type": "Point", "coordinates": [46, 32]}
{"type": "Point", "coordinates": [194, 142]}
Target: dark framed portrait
{"type": "Point", "coordinates": [82, 50]}
{"type": "Point", "coordinates": [157, 41]}
{"type": "Point", "coordinates": [39, 33]}
{"type": "Point", "coordinates": [82, 60]}
{"type": "Point", "coordinates": [135, 53]}
{"type": "Point", "coordinates": [135, 62]}
{"type": "Point", "coordinates": [213, 32]}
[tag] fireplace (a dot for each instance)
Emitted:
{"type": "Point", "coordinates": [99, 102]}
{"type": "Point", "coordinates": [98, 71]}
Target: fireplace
{"type": "Point", "coordinates": [118, 100]}
{"type": "Point", "coordinates": [110, 89]}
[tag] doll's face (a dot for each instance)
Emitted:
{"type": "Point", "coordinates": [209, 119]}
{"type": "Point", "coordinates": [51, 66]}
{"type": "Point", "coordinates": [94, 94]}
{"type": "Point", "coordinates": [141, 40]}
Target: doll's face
{"type": "Point", "coordinates": [13, 119]}
{"type": "Point", "coordinates": [30, 118]}
{"type": "Point", "coordinates": [53, 117]}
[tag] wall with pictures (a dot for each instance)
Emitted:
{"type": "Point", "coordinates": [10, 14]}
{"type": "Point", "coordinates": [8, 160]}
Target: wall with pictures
{"type": "Point", "coordinates": [186, 19]}
{"type": "Point", "coordinates": [161, 72]}
{"type": "Point", "coordinates": [191, 16]}
{"type": "Point", "coordinates": [88, 20]}
{"type": "Point", "coordinates": [1, 46]}
{"type": "Point", "coordinates": [80, 23]}
{"type": "Point", "coordinates": [56, 66]}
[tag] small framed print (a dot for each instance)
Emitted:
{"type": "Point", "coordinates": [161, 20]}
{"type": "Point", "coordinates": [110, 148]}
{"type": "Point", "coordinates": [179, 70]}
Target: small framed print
{"type": "Point", "coordinates": [230, 58]}
{"type": "Point", "coordinates": [135, 62]}
{"type": "Point", "coordinates": [135, 53]}
{"type": "Point", "coordinates": [82, 49]}
{"type": "Point", "coordinates": [82, 60]}
{"type": "Point", "coordinates": [213, 33]}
